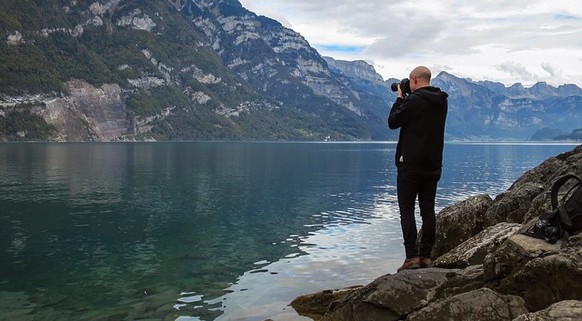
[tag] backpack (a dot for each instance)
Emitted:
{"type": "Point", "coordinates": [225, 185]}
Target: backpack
{"type": "Point", "coordinates": [566, 214]}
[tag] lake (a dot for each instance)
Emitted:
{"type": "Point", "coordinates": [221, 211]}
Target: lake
{"type": "Point", "coordinates": [211, 231]}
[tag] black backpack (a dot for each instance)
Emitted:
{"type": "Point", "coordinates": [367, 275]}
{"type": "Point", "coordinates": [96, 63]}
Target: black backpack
{"type": "Point", "coordinates": [566, 214]}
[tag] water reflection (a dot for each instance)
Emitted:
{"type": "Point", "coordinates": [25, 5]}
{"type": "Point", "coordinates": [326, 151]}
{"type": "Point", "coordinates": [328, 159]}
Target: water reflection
{"type": "Point", "coordinates": [344, 255]}
{"type": "Point", "coordinates": [158, 230]}
{"type": "Point", "coordinates": [128, 221]}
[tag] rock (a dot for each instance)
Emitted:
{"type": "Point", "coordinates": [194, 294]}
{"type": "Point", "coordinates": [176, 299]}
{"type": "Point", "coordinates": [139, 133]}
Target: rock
{"type": "Point", "coordinates": [552, 168]}
{"type": "Point", "coordinates": [463, 280]}
{"type": "Point", "coordinates": [528, 197]}
{"type": "Point", "coordinates": [517, 250]}
{"type": "Point", "coordinates": [478, 305]}
{"type": "Point", "coordinates": [513, 205]}
{"type": "Point", "coordinates": [315, 305]}
{"type": "Point", "coordinates": [103, 108]}
{"type": "Point", "coordinates": [570, 310]}
{"type": "Point", "coordinates": [392, 297]}
{"type": "Point", "coordinates": [485, 268]}
{"type": "Point", "coordinates": [540, 174]}
{"type": "Point", "coordinates": [474, 250]}
{"type": "Point", "coordinates": [386, 292]}
{"type": "Point", "coordinates": [545, 273]}
{"type": "Point", "coordinates": [88, 113]}
{"type": "Point", "coordinates": [459, 222]}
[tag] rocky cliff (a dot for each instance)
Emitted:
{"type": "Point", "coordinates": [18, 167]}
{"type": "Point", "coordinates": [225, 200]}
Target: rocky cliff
{"type": "Point", "coordinates": [485, 269]}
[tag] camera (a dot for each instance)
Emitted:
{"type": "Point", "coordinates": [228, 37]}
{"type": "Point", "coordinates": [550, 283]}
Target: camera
{"type": "Point", "coordinates": [404, 86]}
{"type": "Point", "coordinates": [550, 233]}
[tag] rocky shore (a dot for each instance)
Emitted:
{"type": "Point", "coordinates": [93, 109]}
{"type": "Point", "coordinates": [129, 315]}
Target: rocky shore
{"type": "Point", "coordinates": [485, 269]}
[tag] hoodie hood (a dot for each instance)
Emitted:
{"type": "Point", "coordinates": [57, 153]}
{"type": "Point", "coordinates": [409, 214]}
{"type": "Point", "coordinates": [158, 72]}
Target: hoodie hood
{"type": "Point", "coordinates": [433, 94]}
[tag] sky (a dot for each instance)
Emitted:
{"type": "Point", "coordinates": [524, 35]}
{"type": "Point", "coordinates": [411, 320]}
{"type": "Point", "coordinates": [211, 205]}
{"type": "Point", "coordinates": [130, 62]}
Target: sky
{"type": "Point", "coordinates": [525, 41]}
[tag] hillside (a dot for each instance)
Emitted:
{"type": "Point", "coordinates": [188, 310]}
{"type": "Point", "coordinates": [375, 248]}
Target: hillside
{"type": "Point", "coordinates": [121, 70]}
{"type": "Point", "coordinates": [118, 70]}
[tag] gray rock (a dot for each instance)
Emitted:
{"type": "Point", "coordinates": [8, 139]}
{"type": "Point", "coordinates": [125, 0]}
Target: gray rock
{"type": "Point", "coordinates": [463, 280]}
{"type": "Point", "coordinates": [474, 250]}
{"type": "Point", "coordinates": [517, 250]}
{"type": "Point", "coordinates": [513, 205]}
{"type": "Point", "coordinates": [570, 310]}
{"type": "Point", "coordinates": [459, 222]}
{"type": "Point", "coordinates": [392, 297]}
{"type": "Point", "coordinates": [541, 273]}
{"type": "Point", "coordinates": [387, 292]}
{"type": "Point", "coordinates": [478, 305]}
{"type": "Point", "coordinates": [506, 209]}
{"type": "Point", "coordinates": [89, 113]}
{"type": "Point", "coordinates": [316, 305]}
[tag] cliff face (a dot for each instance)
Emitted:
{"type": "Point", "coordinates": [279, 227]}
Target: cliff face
{"type": "Point", "coordinates": [485, 268]}
{"type": "Point", "coordinates": [101, 108]}
{"type": "Point", "coordinates": [87, 113]}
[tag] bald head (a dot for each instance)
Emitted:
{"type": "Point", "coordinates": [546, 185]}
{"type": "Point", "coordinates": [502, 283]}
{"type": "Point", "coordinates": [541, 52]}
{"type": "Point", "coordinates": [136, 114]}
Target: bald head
{"type": "Point", "coordinates": [419, 77]}
{"type": "Point", "coordinates": [421, 72]}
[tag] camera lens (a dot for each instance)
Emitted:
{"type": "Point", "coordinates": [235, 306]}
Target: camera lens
{"type": "Point", "coordinates": [540, 227]}
{"type": "Point", "coordinates": [404, 86]}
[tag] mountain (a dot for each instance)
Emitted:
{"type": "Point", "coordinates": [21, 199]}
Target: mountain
{"type": "Point", "coordinates": [539, 90]}
{"type": "Point", "coordinates": [81, 71]}
{"type": "Point", "coordinates": [114, 70]}
{"type": "Point", "coordinates": [487, 110]}
{"type": "Point", "coordinates": [165, 70]}
{"type": "Point", "coordinates": [575, 135]}
{"type": "Point", "coordinates": [371, 90]}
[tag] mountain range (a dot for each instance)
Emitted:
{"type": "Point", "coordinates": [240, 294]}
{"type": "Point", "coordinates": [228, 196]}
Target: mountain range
{"type": "Point", "coordinates": [125, 70]}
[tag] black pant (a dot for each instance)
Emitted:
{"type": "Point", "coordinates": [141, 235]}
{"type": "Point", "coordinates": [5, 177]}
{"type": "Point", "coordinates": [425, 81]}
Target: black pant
{"type": "Point", "coordinates": [423, 184]}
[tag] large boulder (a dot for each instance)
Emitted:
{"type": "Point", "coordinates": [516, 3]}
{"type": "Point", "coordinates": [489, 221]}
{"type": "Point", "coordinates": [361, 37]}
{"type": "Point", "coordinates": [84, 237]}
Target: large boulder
{"type": "Point", "coordinates": [512, 206]}
{"type": "Point", "coordinates": [517, 250]}
{"type": "Point", "coordinates": [474, 250]}
{"type": "Point", "coordinates": [392, 297]}
{"type": "Point", "coordinates": [459, 222]}
{"type": "Point", "coordinates": [539, 272]}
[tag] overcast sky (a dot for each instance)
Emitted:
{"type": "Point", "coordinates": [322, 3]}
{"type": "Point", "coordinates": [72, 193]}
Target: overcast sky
{"type": "Point", "coordinates": [499, 40]}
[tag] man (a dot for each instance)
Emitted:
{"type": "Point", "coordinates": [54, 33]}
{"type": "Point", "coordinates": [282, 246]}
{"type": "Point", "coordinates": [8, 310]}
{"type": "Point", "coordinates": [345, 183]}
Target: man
{"type": "Point", "coordinates": [421, 118]}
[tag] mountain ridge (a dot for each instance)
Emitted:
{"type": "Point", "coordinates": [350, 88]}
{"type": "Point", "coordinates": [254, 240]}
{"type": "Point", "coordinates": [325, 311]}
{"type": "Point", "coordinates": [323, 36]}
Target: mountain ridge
{"type": "Point", "coordinates": [212, 70]}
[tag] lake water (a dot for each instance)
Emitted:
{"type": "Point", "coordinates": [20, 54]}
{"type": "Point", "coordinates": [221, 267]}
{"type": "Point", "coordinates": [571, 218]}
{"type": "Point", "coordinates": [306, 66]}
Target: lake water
{"type": "Point", "coordinates": [211, 231]}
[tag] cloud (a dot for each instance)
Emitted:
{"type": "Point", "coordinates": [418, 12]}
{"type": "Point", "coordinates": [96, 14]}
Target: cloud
{"type": "Point", "coordinates": [551, 69]}
{"type": "Point", "coordinates": [516, 70]}
{"type": "Point", "coordinates": [479, 39]}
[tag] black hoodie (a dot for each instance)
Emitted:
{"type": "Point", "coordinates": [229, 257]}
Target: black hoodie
{"type": "Point", "coordinates": [421, 119]}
